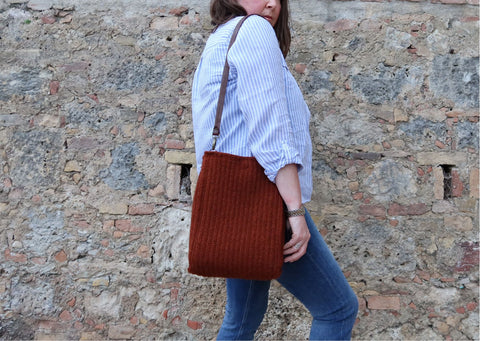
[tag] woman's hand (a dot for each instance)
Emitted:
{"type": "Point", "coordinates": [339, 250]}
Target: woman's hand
{"type": "Point", "coordinates": [296, 247]}
{"type": "Point", "coordinates": [288, 186]}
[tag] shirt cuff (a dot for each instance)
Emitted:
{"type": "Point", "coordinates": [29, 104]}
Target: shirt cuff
{"type": "Point", "coordinates": [287, 155]}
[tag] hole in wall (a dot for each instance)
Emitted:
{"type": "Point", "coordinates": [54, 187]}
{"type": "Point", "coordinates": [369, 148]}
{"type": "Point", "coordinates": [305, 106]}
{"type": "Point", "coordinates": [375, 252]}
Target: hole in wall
{"type": "Point", "coordinates": [185, 183]}
{"type": "Point", "coordinates": [447, 181]}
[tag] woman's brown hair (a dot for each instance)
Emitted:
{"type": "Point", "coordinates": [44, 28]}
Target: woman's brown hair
{"type": "Point", "coordinates": [222, 11]}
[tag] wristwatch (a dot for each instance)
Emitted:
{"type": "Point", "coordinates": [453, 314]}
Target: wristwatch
{"type": "Point", "coordinates": [295, 213]}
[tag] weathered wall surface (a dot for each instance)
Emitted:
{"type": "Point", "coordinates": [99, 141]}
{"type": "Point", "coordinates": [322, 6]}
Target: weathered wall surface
{"type": "Point", "coordinates": [97, 167]}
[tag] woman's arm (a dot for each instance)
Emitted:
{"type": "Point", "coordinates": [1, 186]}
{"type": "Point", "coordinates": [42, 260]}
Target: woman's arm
{"type": "Point", "coordinates": [257, 60]}
{"type": "Point", "coordinates": [289, 187]}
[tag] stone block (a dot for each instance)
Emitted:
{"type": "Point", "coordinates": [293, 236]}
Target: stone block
{"type": "Point", "coordinates": [65, 316]}
{"type": "Point", "coordinates": [42, 336]}
{"type": "Point", "coordinates": [47, 228]}
{"type": "Point", "coordinates": [121, 332]}
{"type": "Point", "coordinates": [107, 304]}
{"type": "Point", "coordinates": [372, 210]}
{"type": "Point", "coordinates": [467, 135]}
{"type": "Point", "coordinates": [407, 210]}
{"type": "Point", "coordinates": [75, 67]}
{"type": "Point", "coordinates": [399, 144]}
{"type": "Point", "coordinates": [141, 209]}
{"type": "Point", "coordinates": [122, 175]}
{"type": "Point", "coordinates": [130, 101]}
{"type": "Point", "coordinates": [112, 207]}
{"type": "Point", "coordinates": [61, 257]}
{"type": "Point", "coordinates": [12, 120]}
{"type": "Point", "coordinates": [174, 144]}
{"type": "Point", "coordinates": [15, 257]}
{"type": "Point", "coordinates": [195, 325]}
{"type": "Point", "coordinates": [432, 114]}
{"type": "Point", "coordinates": [3, 207]}
{"type": "Point", "coordinates": [164, 23]}
{"type": "Point", "coordinates": [353, 186]}
{"type": "Point", "coordinates": [178, 157]}
{"type": "Point", "coordinates": [173, 181]}
{"type": "Point", "coordinates": [135, 75]}
{"type": "Point", "coordinates": [156, 122]}
{"type": "Point", "coordinates": [456, 78]}
{"type": "Point", "coordinates": [444, 206]}
{"type": "Point", "coordinates": [371, 25]}
{"type": "Point", "coordinates": [101, 282]}
{"type": "Point", "coordinates": [349, 128]}
{"type": "Point", "coordinates": [396, 39]}
{"type": "Point", "coordinates": [171, 244]}
{"type": "Point", "coordinates": [26, 82]}
{"type": "Point", "coordinates": [49, 121]}
{"type": "Point", "coordinates": [193, 180]}
{"type": "Point", "coordinates": [318, 80]}
{"type": "Point", "coordinates": [341, 25]}
{"type": "Point", "coordinates": [144, 251]}
{"type": "Point", "coordinates": [37, 159]}
{"type": "Point", "coordinates": [48, 20]}
{"type": "Point", "coordinates": [90, 336]}
{"type": "Point", "coordinates": [124, 225]}
{"type": "Point", "coordinates": [470, 257]}
{"type": "Point", "coordinates": [441, 158]}
{"type": "Point", "coordinates": [474, 186]}
{"type": "Point", "coordinates": [158, 191]}
{"type": "Point", "coordinates": [442, 327]}
{"type": "Point", "coordinates": [422, 131]}
{"type": "Point", "coordinates": [80, 115]}
{"type": "Point", "coordinates": [459, 223]}
{"type": "Point", "coordinates": [457, 184]}
{"type": "Point", "coordinates": [40, 5]}
{"type": "Point", "coordinates": [366, 156]}
{"type": "Point", "coordinates": [36, 297]}
{"type": "Point", "coordinates": [379, 85]}
{"type": "Point", "coordinates": [72, 166]}
{"type": "Point", "coordinates": [54, 85]}
{"type": "Point", "coordinates": [471, 306]}
{"type": "Point", "coordinates": [383, 302]}
{"type": "Point", "coordinates": [438, 183]}
{"type": "Point", "coordinates": [390, 180]}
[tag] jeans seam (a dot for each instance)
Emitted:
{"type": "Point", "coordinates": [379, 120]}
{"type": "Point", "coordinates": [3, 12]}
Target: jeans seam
{"type": "Point", "coordinates": [245, 312]}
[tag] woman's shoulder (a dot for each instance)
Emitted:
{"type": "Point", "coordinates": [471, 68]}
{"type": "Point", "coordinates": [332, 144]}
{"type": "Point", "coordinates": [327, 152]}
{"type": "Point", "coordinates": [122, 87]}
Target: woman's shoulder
{"type": "Point", "coordinates": [256, 33]}
{"type": "Point", "coordinates": [257, 24]}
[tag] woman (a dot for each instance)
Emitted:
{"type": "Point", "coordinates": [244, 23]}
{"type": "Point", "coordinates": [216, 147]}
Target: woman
{"type": "Point", "coordinates": [265, 116]}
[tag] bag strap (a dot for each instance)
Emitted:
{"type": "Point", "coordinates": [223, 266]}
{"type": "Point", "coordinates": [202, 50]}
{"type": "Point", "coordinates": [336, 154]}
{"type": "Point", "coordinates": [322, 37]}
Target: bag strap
{"type": "Point", "coordinates": [223, 86]}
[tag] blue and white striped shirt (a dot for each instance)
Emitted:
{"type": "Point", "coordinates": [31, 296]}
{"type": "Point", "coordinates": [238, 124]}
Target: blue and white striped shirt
{"type": "Point", "coordinates": [264, 115]}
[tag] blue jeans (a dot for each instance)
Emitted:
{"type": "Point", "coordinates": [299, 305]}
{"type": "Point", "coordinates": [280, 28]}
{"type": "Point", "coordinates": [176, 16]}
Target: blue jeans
{"type": "Point", "coordinates": [315, 279]}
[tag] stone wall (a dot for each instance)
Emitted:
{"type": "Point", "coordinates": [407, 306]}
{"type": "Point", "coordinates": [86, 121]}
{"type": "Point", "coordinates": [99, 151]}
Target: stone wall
{"type": "Point", "coordinates": [97, 167]}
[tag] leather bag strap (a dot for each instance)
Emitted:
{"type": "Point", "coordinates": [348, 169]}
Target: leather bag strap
{"type": "Point", "coordinates": [223, 86]}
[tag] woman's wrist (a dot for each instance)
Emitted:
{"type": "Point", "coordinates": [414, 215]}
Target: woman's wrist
{"type": "Point", "coordinates": [296, 212]}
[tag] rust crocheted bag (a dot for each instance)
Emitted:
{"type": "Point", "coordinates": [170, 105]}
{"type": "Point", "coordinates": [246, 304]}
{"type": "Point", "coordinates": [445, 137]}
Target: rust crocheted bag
{"type": "Point", "coordinates": [238, 220]}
